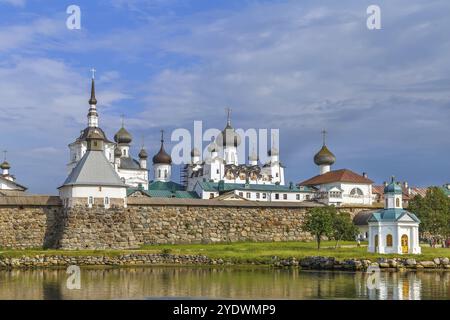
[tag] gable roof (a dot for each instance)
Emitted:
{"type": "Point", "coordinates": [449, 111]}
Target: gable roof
{"type": "Point", "coordinates": [129, 163]}
{"type": "Point", "coordinates": [94, 169]}
{"type": "Point", "coordinates": [162, 193]}
{"type": "Point", "coordinates": [18, 186]}
{"type": "Point", "coordinates": [391, 215]}
{"type": "Point", "coordinates": [362, 217]}
{"type": "Point", "coordinates": [342, 175]}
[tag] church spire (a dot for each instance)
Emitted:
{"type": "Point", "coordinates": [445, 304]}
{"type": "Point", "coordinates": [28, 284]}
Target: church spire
{"type": "Point", "coordinates": [93, 115]}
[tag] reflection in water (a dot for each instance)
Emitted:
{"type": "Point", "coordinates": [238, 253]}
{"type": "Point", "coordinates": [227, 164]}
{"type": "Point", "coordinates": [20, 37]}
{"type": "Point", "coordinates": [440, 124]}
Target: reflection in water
{"type": "Point", "coordinates": [237, 283]}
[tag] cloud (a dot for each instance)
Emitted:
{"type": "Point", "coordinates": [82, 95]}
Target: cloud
{"type": "Point", "coordinates": [16, 3]}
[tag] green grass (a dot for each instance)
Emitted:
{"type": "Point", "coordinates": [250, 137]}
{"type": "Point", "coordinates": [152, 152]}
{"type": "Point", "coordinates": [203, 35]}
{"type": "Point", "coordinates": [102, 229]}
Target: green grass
{"type": "Point", "coordinates": [245, 252]}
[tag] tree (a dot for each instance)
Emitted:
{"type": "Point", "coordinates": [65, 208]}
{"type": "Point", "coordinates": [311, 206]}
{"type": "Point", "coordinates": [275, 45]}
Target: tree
{"type": "Point", "coordinates": [343, 228]}
{"type": "Point", "coordinates": [434, 213]}
{"type": "Point", "coordinates": [319, 222]}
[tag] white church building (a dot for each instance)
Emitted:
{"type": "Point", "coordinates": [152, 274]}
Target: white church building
{"type": "Point", "coordinates": [93, 181]}
{"type": "Point", "coordinates": [338, 187]}
{"type": "Point", "coordinates": [132, 172]}
{"type": "Point", "coordinates": [224, 175]}
{"type": "Point", "coordinates": [393, 229]}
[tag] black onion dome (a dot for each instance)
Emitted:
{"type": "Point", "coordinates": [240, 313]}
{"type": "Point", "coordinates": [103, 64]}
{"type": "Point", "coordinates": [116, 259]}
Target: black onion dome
{"type": "Point", "coordinates": [195, 152]}
{"type": "Point", "coordinates": [228, 137]}
{"type": "Point", "coordinates": [123, 136]}
{"type": "Point", "coordinates": [324, 157]}
{"type": "Point", "coordinates": [162, 157]}
{"type": "Point", "coordinates": [5, 165]}
{"type": "Point", "coordinates": [143, 154]}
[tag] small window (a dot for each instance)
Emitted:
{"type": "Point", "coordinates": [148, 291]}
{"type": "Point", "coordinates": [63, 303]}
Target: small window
{"type": "Point", "coordinates": [211, 195]}
{"type": "Point", "coordinates": [257, 195]}
{"type": "Point", "coordinates": [100, 189]}
{"type": "Point", "coordinates": [277, 196]}
{"type": "Point", "coordinates": [264, 196]}
{"type": "Point", "coordinates": [276, 174]}
{"type": "Point", "coordinates": [285, 196]}
{"type": "Point", "coordinates": [297, 196]}
{"type": "Point", "coordinates": [389, 240]}
{"type": "Point", "coordinates": [165, 173]}
{"type": "Point", "coordinates": [91, 200]}
{"type": "Point", "coordinates": [159, 173]}
{"type": "Point", "coordinates": [241, 194]}
{"type": "Point", "coordinates": [249, 195]}
{"type": "Point", "coordinates": [308, 197]}
{"type": "Point", "coordinates": [397, 202]}
{"type": "Point", "coordinates": [106, 201]}
{"type": "Point", "coordinates": [217, 171]}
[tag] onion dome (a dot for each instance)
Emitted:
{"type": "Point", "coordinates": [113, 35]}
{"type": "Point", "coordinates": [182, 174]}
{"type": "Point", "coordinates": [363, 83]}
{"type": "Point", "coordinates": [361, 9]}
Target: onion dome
{"type": "Point", "coordinates": [195, 152]}
{"type": "Point", "coordinates": [117, 152]}
{"type": "Point", "coordinates": [5, 165]}
{"type": "Point", "coordinates": [228, 137]}
{"type": "Point", "coordinates": [123, 136]}
{"type": "Point", "coordinates": [393, 187]}
{"type": "Point", "coordinates": [143, 154]}
{"type": "Point", "coordinates": [93, 100]}
{"type": "Point", "coordinates": [162, 157]}
{"type": "Point", "coordinates": [324, 157]}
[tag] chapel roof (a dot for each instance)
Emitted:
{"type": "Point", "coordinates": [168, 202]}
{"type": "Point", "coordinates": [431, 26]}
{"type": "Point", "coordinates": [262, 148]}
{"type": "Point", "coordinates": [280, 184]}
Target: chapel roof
{"type": "Point", "coordinates": [342, 175]}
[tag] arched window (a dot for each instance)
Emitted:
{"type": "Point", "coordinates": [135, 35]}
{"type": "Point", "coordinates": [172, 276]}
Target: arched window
{"type": "Point", "coordinates": [165, 173]}
{"type": "Point", "coordinates": [397, 202]}
{"type": "Point", "coordinates": [389, 240]}
{"type": "Point", "coordinates": [376, 241]}
{"type": "Point", "coordinates": [159, 173]}
{"type": "Point", "coordinates": [356, 192]}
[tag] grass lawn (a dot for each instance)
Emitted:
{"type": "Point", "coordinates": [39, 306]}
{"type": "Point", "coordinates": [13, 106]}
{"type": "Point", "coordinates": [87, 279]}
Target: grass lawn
{"type": "Point", "coordinates": [246, 252]}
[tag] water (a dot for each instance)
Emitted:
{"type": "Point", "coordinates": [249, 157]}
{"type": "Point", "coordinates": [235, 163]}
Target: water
{"type": "Point", "coordinates": [225, 283]}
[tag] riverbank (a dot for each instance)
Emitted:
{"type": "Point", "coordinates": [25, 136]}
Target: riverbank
{"type": "Point", "coordinates": [275, 254]}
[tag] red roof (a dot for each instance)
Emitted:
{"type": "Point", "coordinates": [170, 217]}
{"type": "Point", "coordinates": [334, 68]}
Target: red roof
{"type": "Point", "coordinates": [342, 175]}
{"type": "Point", "coordinates": [407, 194]}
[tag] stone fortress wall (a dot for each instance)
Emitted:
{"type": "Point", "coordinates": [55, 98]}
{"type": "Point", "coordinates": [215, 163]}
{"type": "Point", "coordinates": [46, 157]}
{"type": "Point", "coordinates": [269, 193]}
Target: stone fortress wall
{"type": "Point", "coordinates": [41, 221]}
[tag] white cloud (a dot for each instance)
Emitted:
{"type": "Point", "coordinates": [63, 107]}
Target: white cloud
{"type": "Point", "coordinates": [17, 3]}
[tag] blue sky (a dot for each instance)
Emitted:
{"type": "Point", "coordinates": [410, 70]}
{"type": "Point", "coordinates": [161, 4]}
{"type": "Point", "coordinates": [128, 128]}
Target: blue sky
{"type": "Point", "coordinates": [301, 66]}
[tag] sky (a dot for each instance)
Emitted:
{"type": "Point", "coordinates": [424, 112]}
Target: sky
{"type": "Point", "coordinates": [297, 66]}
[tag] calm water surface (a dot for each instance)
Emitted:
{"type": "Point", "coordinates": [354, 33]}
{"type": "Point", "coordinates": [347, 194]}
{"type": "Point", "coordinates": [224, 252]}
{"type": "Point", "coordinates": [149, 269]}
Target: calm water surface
{"type": "Point", "coordinates": [225, 283]}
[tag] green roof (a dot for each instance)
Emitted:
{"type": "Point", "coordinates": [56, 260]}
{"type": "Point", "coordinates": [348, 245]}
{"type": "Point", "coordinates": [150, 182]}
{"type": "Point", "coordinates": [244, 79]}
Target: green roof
{"type": "Point", "coordinates": [214, 187]}
{"type": "Point", "coordinates": [170, 186]}
{"type": "Point", "coordinates": [158, 189]}
{"type": "Point", "coordinates": [391, 215]}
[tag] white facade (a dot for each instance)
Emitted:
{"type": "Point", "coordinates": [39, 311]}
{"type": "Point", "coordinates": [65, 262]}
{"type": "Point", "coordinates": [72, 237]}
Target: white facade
{"type": "Point", "coordinates": [162, 172]}
{"type": "Point", "coordinates": [339, 193]}
{"type": "Point", "coordinates": [92, 195]}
